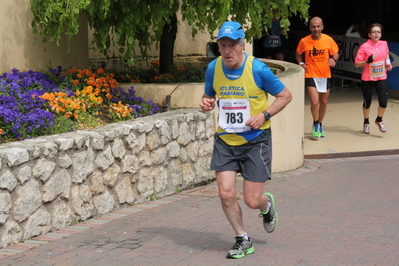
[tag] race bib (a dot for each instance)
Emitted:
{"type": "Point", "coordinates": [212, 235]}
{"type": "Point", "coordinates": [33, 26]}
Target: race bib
{"type": "Point", "coordinates": [274, 41]}
{"type": "Point", "coordinates": [233, 113]}
{"type": "Point", "coordinates": [377, 69]}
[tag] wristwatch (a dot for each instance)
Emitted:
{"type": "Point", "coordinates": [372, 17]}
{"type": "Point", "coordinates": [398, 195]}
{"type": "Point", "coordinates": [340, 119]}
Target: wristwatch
{"type": "Point", "coordinates": [267, 115]}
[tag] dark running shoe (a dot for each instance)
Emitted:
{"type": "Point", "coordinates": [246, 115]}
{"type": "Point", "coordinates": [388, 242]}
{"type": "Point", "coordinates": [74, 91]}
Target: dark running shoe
{"type": "Point", "coordinates": [241, 248]}
{"type": "Point", "coordinates": [270, 219]}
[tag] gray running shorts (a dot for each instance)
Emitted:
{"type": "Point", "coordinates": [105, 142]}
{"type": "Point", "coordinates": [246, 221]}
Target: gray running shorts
{"type": "Point", "coordinates": [252, 160]}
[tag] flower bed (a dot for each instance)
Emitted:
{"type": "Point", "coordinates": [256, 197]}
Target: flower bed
{"type": "Point", "coordinates": [36, 103]}
{"type": "Point", "coordinates": [44, 103]}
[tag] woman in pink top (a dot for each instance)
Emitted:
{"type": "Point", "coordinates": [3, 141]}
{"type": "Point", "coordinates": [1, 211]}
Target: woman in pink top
{"type": "Point", "coordinates": [373, 55]}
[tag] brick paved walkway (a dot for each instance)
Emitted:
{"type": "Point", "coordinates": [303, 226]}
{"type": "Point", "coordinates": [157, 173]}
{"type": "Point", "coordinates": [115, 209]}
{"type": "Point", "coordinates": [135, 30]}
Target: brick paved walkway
{"type": "Point", "coordinates": [342, 211]}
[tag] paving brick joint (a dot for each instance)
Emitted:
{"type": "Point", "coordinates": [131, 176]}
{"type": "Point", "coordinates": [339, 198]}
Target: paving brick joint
{"type": "Point", "coordinates": [336, 211]}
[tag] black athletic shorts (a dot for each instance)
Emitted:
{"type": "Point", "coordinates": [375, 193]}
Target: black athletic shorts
{"type": "Point", "coordinates": [253, 159]}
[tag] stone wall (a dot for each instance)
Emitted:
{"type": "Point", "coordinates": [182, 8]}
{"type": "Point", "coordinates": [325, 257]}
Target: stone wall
{"type": "Point", "coordinates": [287, 126]}
{"type": "Point", "coordinates": [49, 183]}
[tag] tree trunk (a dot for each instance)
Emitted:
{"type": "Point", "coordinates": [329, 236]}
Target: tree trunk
{"type": "Point", "coordinates": [167, 45]}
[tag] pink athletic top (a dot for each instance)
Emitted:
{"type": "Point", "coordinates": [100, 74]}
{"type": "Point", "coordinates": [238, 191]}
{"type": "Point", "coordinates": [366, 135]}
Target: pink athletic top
{"type": "Point", "coordinates": [375, 70]}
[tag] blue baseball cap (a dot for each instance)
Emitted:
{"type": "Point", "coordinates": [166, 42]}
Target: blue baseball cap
{"type": "Point", "coordinates": [232, 30]}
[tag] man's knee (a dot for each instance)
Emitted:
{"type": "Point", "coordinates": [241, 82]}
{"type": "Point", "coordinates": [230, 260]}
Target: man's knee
{"type": "Point", "coordinates": [253, 203]}
{"type": "Point", "coordinates": [323, 103]}
{"type": "Point", "coordinates": [323, 100]}
{"type": "Point", "coordinates": [226, 196]}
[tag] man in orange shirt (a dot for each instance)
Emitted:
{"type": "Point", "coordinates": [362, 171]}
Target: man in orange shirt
{"type": "Point", "coordinates": [316, 53]}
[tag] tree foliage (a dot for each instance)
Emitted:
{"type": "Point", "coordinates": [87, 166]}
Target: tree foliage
{"type": "Point", "coordinates": [131, 23]}
{"type": "Point", "coordinates": [210, 14]}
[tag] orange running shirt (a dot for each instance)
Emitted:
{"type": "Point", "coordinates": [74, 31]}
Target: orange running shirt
{"type": "Point", "coordinates": [316, 54]}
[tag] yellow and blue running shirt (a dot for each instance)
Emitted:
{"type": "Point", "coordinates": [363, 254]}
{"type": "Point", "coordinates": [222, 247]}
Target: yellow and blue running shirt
{"type": "Point", "coordinates": [253, 81]}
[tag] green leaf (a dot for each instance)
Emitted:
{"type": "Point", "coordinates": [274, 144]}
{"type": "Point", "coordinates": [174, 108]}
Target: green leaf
{"type": "Point", "coordinates": [130, 22]}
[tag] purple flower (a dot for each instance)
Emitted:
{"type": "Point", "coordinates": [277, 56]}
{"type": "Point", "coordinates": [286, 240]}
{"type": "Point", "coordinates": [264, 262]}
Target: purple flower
{"type": "Point", "coordinates": [22, 113]}
{"type": "Point", "coordinates": [139, 106]}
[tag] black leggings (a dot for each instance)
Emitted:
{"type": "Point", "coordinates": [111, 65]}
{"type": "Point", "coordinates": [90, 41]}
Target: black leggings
{"type": "Point", "coordinates": [382, 92]}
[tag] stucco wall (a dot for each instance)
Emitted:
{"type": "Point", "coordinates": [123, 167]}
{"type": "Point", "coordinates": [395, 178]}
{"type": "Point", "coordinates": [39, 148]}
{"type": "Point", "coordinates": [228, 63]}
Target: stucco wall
{"type": "Point", "coordinates": [288, 125]}
{"type": "Point", "coordinates": [18, 48]}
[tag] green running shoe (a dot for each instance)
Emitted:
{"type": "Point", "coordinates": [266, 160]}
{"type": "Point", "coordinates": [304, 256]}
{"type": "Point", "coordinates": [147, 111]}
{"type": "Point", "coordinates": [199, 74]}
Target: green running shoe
{"type": "Point", "coordinates": [270, 218]}
{"type": "Point", "coordinates": [321, 131]}
{"type": "Point", "coordinates": [316, 130]}
{"type": "Point", "coordinates": [241, 248]}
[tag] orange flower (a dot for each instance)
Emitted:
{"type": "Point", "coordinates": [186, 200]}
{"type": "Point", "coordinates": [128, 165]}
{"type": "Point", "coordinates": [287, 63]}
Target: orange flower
{"type": "Point", "coordinates": [89, 89]}
{"type": "Point", "coordinates": [91, 82]}
{"type": "Point", "coordinates": [47, 96]}
{"type": "Point", "coordinates": [1, 131]}
{"type": "Point", "coordinates": [100, 70]}
{"type": "Point", "coordinates": [59, 109]}
{"type": "Point", "coordinates": [75, 82]}
{"type": "Point", "coordinates": [87, 72]}
{"type": "Point", "coordinates": [75, 106]}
